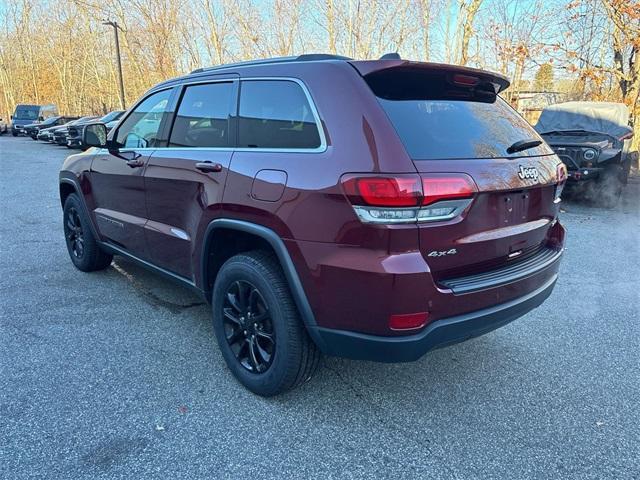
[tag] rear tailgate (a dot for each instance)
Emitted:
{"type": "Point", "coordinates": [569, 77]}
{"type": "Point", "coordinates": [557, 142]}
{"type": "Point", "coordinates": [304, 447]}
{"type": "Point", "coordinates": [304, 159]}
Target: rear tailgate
{"type": "Point", "coordinates": [507, 222]}
{"type": "Point", "coordinates": [451, 121]}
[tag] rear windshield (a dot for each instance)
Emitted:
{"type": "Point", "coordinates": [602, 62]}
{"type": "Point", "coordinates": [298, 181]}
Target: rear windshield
{"type": "Point", "coordinates": [438, 122]}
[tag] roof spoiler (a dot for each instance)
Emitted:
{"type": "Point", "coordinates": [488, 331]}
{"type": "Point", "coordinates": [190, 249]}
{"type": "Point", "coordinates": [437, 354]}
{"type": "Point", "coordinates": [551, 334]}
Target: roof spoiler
{"type": "Point", "coordinates": [462, 76]}
{"type": "Point", "coordinates": [390, 56]}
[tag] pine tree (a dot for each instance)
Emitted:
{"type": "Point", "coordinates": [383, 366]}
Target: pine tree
{"type": "Point", "coordinates": [544, 78]}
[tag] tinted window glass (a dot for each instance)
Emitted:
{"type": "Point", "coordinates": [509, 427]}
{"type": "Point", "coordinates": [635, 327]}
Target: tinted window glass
{"type": "Point", "coordinates": [441, 129]}
{"type": "Point", "coordinates": [275, 114]}
{"type": "Point", "coordinates": [141, 128]}
{"type": "Point", "coordinates": [51, 121]}
{"type": "Point", "coordinates": [438, 118]}
{"type": "Point", "coordinates": [204, 116]}
{"type": "Point", "coordinates": [111, 116]}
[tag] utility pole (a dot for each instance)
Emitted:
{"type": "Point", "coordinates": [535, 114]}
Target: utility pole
{"type": "Point", "coordinates": [115, 30]}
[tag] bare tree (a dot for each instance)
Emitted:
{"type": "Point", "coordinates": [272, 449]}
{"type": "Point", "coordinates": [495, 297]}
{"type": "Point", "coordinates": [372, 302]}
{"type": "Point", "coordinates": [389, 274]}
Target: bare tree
{"type": "Point", "coordinates": [467, 16]}
{"type": "Point", "coordinates": [217, 30]}
{"type": "Point", "coordinates": [60, 52]}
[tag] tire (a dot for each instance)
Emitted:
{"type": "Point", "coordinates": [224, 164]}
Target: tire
{"type": "Point", "coordinates": [286, 361]}
{"type": "Point", "coordinates": [82, 246]}
{"type": "Point", "coordinates": [15, 134]}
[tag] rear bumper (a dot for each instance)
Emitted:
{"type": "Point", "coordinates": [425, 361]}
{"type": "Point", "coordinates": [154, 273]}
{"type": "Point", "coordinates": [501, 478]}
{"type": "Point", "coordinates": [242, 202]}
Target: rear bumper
{"type": "Point", "coordinates": [440, 333]}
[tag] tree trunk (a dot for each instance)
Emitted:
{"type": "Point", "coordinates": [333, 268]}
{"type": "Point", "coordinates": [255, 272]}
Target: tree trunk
{"type": "Point", "coordinates": [470, 12]}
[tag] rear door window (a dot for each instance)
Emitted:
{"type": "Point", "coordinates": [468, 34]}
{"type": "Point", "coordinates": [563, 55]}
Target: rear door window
{"type": "Point", "coordinates": [276, 114]}
{"type": "Point", "coordinates": [204, 116]}
{"type": "Point", "coordinates": [434, 122]}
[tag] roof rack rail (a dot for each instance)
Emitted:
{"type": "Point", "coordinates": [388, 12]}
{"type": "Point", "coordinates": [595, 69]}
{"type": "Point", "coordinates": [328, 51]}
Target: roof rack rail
{"type": "Point", "coordinates": [307, 57]}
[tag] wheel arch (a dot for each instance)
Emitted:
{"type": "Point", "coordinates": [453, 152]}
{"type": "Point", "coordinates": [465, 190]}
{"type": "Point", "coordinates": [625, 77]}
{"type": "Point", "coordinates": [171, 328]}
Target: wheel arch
{"type": "Point", "coordinates": [67, 187]}
{"type": "Point", "coordinates": [266, 237]}
{"type": "Point", "coordinates": [68, 184]}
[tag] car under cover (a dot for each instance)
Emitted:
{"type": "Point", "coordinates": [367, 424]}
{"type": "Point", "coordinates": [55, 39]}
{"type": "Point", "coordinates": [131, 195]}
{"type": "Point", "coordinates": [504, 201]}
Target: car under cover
{"type": "Point", "coordinates": [598, 117]}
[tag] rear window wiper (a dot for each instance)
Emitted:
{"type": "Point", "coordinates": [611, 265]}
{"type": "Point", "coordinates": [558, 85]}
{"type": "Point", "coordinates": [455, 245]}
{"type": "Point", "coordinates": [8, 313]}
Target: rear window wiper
{"type": "Point", "coordinates": [521, 145]}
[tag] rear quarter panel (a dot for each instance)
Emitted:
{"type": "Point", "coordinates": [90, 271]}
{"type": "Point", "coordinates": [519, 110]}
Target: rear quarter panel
{"type": "Point", "coordinates": [313, 206]}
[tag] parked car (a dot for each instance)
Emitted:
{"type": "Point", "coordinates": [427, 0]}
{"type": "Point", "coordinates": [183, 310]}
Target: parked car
{"type": "Point", "coordinates": [4, 128]}
{"type": "Point", "coordinates": [58, 134]}
{"type": "Point", "coordinates": [368, 209]}
{"type": "Point", "coordinates": [46, 134]}
{"type": "Point", "coordinates": [593, 139]}
{"type": "Point", "coordinates": [27, 114]}
{"type": "Point", "coordinates": [53, 131]}
{"type": "Point", "coordinates": [32, 129]}
{"type": "Point", "coordinates": [74, 135]}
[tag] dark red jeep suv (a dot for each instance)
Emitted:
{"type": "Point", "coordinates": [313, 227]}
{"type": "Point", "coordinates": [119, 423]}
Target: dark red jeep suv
{"type": "Point", "coordinates": [368, 209]}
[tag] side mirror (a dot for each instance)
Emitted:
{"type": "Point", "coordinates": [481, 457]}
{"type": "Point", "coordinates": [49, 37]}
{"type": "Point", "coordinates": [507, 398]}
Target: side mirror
{"type": "Point", "coordinates": [95, 135]}
{"type": "Point", "coordinates": [11, 117]}
{"type": "Point", "coordinates": [41, 119]}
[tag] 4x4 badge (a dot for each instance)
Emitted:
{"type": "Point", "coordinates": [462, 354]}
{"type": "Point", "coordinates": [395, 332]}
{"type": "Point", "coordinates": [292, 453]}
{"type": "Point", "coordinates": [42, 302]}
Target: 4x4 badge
{"type": "Point", "coordinates": [442, 253]}
{"type": "Point", "coordinates": [526, 173]}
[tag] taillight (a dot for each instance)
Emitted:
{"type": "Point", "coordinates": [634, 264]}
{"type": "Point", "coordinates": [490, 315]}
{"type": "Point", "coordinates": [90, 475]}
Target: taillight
{"type": "Point", "coordinates": [561, 175]}
{"type": "Point", "coordinates": [396, 191]}
{"type": "Point", "coordinates": [408, 198]}
{"type": "Point", "coordinates": [446, 187]}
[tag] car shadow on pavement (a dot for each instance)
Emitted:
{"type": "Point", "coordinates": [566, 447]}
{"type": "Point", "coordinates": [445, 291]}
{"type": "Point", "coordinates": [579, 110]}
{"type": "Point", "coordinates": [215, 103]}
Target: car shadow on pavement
{"type": "Point", "coordinates": [441, 372]}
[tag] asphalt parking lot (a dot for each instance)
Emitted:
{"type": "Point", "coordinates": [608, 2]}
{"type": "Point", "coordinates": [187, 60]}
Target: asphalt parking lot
{"type": "Point", "coordinates": [116, 374]}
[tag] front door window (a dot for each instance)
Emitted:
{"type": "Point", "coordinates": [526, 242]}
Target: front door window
{"type": "Point", "coordinates": [141, 129]}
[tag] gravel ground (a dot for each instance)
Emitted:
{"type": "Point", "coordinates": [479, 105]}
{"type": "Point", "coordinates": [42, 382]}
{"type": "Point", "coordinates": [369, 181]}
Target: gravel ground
{"type": "Point", "coordinates": [116, 374]}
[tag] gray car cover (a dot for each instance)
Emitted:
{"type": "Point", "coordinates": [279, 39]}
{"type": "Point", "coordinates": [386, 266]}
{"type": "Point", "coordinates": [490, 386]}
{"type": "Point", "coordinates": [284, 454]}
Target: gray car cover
{"type": "Point", "coordinates": [598, 117]}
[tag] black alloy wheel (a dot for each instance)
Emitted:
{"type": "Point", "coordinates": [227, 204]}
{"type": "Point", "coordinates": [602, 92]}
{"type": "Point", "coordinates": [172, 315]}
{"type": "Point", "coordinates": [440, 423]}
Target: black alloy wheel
{"type": "Point", "coordinates": [83, 248]}
{"type": "Point", "coordinates": [261, 336]}
{"type": "Point", "coordinates": [248, 327]}
{"type": "Point", "coordinates": [74, 233]}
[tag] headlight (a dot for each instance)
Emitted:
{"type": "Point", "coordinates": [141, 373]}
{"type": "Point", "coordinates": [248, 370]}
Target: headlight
{"type": "Point", "coordinates": [589, 154]}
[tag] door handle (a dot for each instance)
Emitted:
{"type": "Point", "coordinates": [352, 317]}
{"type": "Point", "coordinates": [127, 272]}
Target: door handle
{"type": "Point", "coordinates": [209, 167]}
{"type": "Point", "coordinates": [135, 162]}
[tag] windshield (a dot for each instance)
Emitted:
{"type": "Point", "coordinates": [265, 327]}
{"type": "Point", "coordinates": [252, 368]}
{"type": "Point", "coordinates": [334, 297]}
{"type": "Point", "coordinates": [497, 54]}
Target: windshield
{"type": "Point", "coordinates": [110, 117]}
{"type": "Point", "coordinates": [26, 112]}
{"type": "Point", "coordinates": [50, 121]}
